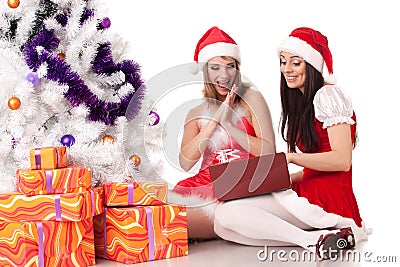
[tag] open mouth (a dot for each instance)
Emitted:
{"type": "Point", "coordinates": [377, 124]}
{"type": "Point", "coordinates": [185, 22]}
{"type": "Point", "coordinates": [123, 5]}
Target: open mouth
{"type": "Point", "coordinates": [224, 85]}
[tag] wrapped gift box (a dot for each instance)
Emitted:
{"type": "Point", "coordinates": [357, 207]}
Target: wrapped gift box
{"type": "Point", "coordinates": [135, 194]}
{"type": "Point", "coordinates": [16, 206]}
{"type": "Point", "coordinates": [48, 158]}
{"type": "Point", "coordinates": [140, 234]}
{"type": "Point", "coordinates": [159, 190]}
{"type": "Point", "coordinates": [71, 179]}
{"type": "Point", "coordinates": [47, 243]}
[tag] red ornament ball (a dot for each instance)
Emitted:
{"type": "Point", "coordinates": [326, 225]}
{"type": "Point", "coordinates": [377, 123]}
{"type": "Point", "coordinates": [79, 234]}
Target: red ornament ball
{"type": "Point", "coordinates": [14, 103]}
{"type": "Point", "coordinates": [13, 3]}
{"type": "Point", "coordinates": [108, 138]}
{"type": "Point", "coordinates": [135, 160]}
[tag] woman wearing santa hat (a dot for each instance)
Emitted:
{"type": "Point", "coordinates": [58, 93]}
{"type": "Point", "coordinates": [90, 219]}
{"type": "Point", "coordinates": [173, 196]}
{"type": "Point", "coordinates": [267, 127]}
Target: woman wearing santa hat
{"type": "Point", "coordinates": [318, 119]}
{"type": "Point", "coordinates": [232, 122]}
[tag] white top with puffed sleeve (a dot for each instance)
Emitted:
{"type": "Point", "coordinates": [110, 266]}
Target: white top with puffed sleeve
{"type": "Point", "coordinates": [332, 106]}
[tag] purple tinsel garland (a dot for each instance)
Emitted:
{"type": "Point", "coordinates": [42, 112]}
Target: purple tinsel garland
{"type": "Point", "coordinates": [78, 93]}
{"type": "Point", "coordinates": [87, 13]}
{"type": "Point", "coordinates": [62, 18]}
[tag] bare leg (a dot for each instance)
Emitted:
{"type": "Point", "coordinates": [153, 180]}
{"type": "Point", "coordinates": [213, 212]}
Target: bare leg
{"type": "Point", "coordinates": [199, 214]}
{"type": "Point", "coordinates": [200, 225]}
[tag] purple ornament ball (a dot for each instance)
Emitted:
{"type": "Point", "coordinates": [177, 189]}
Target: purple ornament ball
{"type": "Point", "coordinates": [67, 140]}
{"type": "Point", "coordinates": [105, 23]}
{"type": "Point", "coordinates": [154, 118]}
{"type": "Point", "coordinates": [33, 78]}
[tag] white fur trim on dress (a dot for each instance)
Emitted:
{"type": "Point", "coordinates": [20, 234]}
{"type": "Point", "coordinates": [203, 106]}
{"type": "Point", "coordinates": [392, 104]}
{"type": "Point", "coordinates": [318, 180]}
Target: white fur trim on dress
{"type": "Point", "coordinates": [219, 49]}
{"type": "Point", "coordinates": [220, 138]}
{"type": "Point", "coordinates": [207, 205]}
{"type": "Point", "coordinates": [304, 50]}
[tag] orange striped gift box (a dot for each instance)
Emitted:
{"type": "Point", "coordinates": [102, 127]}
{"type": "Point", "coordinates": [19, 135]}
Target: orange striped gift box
{"type": "Point", "coordinates": [139, 234]}
{"type": "Point", "coordinates": [71, 179]}
{"type": "Point", "coordinates": [65, 207]}
{"type": "Point", "coordinates": [48, 158]}
{"type": "Point", "coordinates": [47, 243]}
{"type": "Point", "coordinates": [159, 190]}
{"type": "Point", "coordinates": [135, 194]}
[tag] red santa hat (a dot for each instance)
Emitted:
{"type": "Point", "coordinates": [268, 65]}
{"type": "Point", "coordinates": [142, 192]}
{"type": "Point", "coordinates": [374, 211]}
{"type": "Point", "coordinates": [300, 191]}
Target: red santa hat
{"type": "Point", "coordinates": [312, 46]}
{"type": "Point", "coordinates": [214, 42]}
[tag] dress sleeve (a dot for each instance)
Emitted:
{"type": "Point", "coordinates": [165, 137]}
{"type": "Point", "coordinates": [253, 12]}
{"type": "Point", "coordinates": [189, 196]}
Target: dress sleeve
{"type": "Point", "coordinates": [332, 106]}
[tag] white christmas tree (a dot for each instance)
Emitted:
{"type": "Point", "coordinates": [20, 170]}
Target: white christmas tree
{"type": "Point", "coordinates": [64, 81]}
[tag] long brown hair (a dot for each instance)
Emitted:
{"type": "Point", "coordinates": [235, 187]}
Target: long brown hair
{"type": "Point", "coordinates": [297, 118]}
{"type": "Point", "coordinates": [209, 91]}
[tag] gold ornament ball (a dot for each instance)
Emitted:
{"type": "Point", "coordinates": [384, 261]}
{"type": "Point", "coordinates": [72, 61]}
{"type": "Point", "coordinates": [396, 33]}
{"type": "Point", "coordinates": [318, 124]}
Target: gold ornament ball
{"type": "Point", "coordinates": [13, 3]}
{"type": "Point", "coordinates": [14, 103]}
{"type": "Point", "coordinates": [135, 159]}
{"type": "Point", "coordinates": [108, 138]}
{"type": "Point", "coordinates": [61, 56]}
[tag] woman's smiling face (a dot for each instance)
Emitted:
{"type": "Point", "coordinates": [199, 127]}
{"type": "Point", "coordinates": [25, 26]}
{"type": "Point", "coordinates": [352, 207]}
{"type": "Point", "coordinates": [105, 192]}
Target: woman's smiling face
{"type": "Point", "coordinates": [222, 73]}
{"type": "Point", "coordinates": [293, 69]}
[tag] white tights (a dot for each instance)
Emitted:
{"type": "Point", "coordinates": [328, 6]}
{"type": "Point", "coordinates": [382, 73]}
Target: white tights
{"type": "Point", "coordinates": [277, 219]}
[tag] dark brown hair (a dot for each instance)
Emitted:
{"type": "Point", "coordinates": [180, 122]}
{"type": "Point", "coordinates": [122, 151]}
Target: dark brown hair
{"type": "Point", "coordinates": [297, 118]}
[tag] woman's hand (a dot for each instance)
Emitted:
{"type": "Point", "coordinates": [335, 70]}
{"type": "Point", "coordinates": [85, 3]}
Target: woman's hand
{"type": "Point", "coordinates": [297, 176]}
{"type": "Point", "coordinates": [227, 106]}
{"type": "Point", "coordinates": [195, 140]}
{"type": "Point", "coordinates": [289, 157]}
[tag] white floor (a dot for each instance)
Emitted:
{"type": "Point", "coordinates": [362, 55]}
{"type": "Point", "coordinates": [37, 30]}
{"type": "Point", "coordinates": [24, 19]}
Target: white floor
{"type": "Point", "coordinates": [221, 253]}
{"type": "Point", "coordinates": [379, 201]}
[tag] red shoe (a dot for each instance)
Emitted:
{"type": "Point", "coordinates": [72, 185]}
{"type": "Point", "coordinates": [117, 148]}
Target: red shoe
{"type": "Point", "coordinates": [330, 245]}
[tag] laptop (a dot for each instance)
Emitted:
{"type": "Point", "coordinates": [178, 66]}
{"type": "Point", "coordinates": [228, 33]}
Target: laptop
{"type": "Point", "coordinates": [250, 177]}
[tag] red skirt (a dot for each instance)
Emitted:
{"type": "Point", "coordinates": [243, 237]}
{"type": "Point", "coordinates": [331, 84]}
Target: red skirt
{"type": "Point", "coordinates": [332, 192]}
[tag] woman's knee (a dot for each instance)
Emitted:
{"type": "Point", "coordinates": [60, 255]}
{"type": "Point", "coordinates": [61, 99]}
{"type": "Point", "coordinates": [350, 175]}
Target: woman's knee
{"type": "Point", "coordinates": [225, 214]}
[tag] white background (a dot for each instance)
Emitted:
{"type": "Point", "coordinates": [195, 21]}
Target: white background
{"type": "Point", "coordinates": [364, 41]}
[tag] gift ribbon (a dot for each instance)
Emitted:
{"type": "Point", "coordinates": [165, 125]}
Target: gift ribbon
{"type": "Point", "coordinates": [93, 204]}
{"type": "Point", "coordinates": [57, 203]}
{"type": "Point", "coordinates": [38, 158]}
{"type": "Point", "coordinates": [130, 193]}
{"type": "Point", "coordinates": [227, 155]}
{"type": "Point", "coordinates": [105, 232]}
{"type": "Point", "coordinates": [57, 157]}
{"type": "Point", "coordinates": [49, 181]}
{"type": "Point", "coordinates": [39, 226]}
{"type": "Point", "coordinates": [150, 232]}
